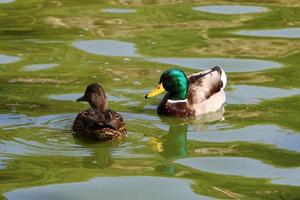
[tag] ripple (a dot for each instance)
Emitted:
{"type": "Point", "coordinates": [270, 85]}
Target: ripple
{"type": "Point", "coordinates": [230, 9]}
{"type": "Point", "coordinates": [14, 121]}
{"type": "Point", "coordinates": [265, 134]}
{"type": "Point", "coordinates": [127, 187]}
{"type": "Point", "coordinates": [2, 162]}
{"type": "Point", "coordinates": [107, 47]}
{"type": "Point", "coordinates": [4, 59]}
{"type": "Point", "coordinates": [244, 94]}
{"type": "Point", "coordinates": [244, 167]}
{"type": "Point", "coordinates": [20, 146]}
{"type": "Point", "coordinates": [229, 64]}
{"type": "Point", "coordinates": [281, 33]}
{"type": "Point", "coordinates": [118, 10]}
{"type": "Point", "coordinates": [39, 67]}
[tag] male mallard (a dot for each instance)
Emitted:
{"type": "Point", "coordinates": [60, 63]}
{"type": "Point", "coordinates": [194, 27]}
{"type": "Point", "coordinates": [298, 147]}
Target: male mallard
{"type": "Point", "coordinates": [98, 122]}
{"type": "Point", "coordinates": [198, 94]}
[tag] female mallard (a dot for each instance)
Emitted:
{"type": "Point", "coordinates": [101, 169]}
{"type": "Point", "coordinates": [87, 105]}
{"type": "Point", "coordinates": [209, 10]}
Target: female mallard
{"type": "Point", "coordinates": [98, 122]}
{"type": "Point", "coordinates": [198, 94]}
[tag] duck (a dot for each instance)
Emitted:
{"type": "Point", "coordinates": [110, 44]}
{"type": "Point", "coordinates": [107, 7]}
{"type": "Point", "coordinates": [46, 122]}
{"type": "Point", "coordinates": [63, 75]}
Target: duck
{"type": "Point", "coordinates": [195, 95]}
{"type": "Point", "coordinates": [98, 122]}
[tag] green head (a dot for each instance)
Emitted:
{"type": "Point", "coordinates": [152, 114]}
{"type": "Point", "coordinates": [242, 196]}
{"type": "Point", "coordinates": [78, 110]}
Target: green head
{"type": "Point", "coordinates": [175, 82]}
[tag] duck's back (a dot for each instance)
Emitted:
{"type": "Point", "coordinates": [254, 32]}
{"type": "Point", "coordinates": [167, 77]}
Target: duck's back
{"type": "Point", "coordinates": [206, 90]}
{"type": "Point", "coordinates": [99, 125]}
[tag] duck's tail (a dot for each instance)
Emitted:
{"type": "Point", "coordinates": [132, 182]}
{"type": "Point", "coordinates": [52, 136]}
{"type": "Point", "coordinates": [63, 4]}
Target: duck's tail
{"type": "Point", "coordinates": [223, 78]}
{"type": "Point", "coordinates": [222, 75]}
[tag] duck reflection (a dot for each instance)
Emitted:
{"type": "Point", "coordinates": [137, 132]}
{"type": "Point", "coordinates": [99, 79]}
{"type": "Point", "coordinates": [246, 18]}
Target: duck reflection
{"type": "Point", "coordinates": [100, 153]}
{"type": "Point", "coordinates": [173, 145]}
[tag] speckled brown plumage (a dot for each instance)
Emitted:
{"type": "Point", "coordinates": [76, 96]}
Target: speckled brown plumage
{"type": "Point", "coordinates": [99, 125]}
{"type": "Point", "coordinates": [98, 122]}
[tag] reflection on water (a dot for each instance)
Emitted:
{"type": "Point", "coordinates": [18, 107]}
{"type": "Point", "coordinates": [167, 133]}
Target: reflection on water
{"type": "Point", "coordinates": [265, 134]}
{"type": "Point", "coordinates": [119, 48]}
{"type": "Point", "coordinates": [244, 167]}
{"type": "Point", "coordinates": [230, 9]}
{"type": "Point", "coordinates": [282, 33]}
{"type": "Point", "coordinates": [107, 47]}
{"type": "Point", "coordinates": [5, 59]}
{"type": "Point", "coordinates": [246, 94]}
{"type": "Point", "coordinates": [111, 188]}
{"type": "Point", "coordinates": [99, 156]}
{"type": "Point", "coordinates": [118, 10]}
{"type": "Point", "coordinates": [6, 1]}
{"type": "Point", "coordinates": [229, 64]}
{"type": "Point", "coordinates": [39, 67]}
{"type": "Point", "coordinates": [173, 145]}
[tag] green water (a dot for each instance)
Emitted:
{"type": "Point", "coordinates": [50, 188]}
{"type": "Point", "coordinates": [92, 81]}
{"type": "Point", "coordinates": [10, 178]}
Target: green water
{"type": "Point", "coordinates": [50, 50]}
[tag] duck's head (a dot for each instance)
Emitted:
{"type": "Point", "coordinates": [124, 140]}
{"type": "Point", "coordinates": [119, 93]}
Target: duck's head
{"type": "Point", "coordinates": [173, 81]}
{"type": "Point", "coordinates": [95, 96]}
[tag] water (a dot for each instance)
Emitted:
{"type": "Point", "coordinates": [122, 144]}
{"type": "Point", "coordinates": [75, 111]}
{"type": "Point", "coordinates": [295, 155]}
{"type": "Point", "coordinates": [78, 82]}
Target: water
{"type": "Point", "coordinates": [106, 187]}
{"type": "Point", "coordinates": [5, 59]}
{"type": "Point", "coordinates": [281, 33]}
{"type": "Point", "coordinates": [118, 10]}
{"type": "Point", "coordinates": [107, 47]}
{"type": "Point", "coordinates": [35, 67]}
{"type": "Point", "coordinates": [229, 64]}
{"type": "Point", "coordinates": [244, 167]}
{"type": "Point", "coordinates": [230, 9]}
{"type": "Point", "coordinates": [6, 1]}
{"type": "Point", "coordinates": [246, 94]}
{"type": "Point", "coordinates": [266, 134]}
{"type": "Point", "coordinates": [50, 52]}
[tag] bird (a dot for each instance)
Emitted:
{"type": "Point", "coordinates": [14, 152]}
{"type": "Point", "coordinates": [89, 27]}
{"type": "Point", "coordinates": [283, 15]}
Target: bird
{"type": "Point", "coordinates": [98, 122]}
{"type": "Point", "coordinates": [195, 95]}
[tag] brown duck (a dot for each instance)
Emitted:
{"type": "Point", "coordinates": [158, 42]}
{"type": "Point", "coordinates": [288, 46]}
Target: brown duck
{"type": "Point", "coordinates": [98, 122]}
{"type": "Point", "coordinates": [197, 94]}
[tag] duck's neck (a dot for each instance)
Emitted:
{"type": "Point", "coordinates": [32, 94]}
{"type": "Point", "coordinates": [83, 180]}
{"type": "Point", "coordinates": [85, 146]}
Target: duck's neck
{"type": "Point", "coordinates": [98, 105]}
{"type": "Point", "coordinates": [180, 91]}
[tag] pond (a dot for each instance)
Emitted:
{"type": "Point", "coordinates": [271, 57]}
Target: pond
{"type": "Point", "coordinates": [51, 50]}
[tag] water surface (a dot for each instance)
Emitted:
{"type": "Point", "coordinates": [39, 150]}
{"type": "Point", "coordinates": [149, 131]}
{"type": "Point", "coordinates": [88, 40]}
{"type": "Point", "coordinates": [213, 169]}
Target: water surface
{"type": "Point", "coordinates": [106, 187]}
{"type": "Point", "coordinates": [265, 134]}
{"type": "Point", "coordinates": [6, 1]}
{"type": "Point", "coordinates": [5, 59]}
{"type": "Point", "coordinates": [248, 150]}
{"type": "Point", "coordinates": [229, 64]}
{"type": "Point", "coordinates": [118, 10]}
{"type": "Point", "coordinates": [36, 67]}
{"type": "Point", "coordinates": [281, 33]}
{"type": "Point", "coordinates": [246, 94]}
{"type": "Point", "coordinates": [107, 47]}
{"type": "Point", "coordinates": [244, 167]}
{"type": "Point", "coordinates": [230, 9]}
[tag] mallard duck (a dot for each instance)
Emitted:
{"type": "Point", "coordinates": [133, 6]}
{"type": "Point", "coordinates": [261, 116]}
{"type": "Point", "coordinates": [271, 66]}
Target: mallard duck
{"type": "Point", "coordinates": [98, 122]}
{"type": "Point", "coordinates": [197, 94]}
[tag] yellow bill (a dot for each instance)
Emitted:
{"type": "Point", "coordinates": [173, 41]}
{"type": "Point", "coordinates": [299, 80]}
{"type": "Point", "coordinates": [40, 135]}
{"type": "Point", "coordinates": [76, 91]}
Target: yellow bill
{"type": "Point", "coordinates": [156, 91]}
